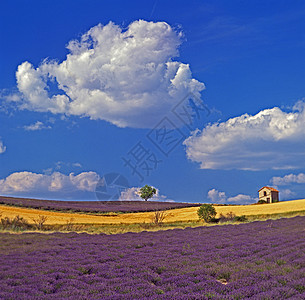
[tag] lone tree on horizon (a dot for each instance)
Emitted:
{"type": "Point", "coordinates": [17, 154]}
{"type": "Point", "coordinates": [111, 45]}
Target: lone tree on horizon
{"type": "Point", "coordinates": [147, 192]}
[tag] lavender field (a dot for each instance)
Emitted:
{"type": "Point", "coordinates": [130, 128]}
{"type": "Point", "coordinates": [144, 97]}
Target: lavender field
{"type": "Point", "coordinates": [94, 206]}
{"type": "Point", "coordinates": [259, 260]}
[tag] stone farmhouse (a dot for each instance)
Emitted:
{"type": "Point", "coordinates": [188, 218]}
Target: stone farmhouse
{"type": "Point", "coordinates": [268, 194]}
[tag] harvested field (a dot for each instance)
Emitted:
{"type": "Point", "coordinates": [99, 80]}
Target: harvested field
{"type": "Point", "coordinates": [259, 209]}
{"type": "Point", "coordinates": [174, 215]}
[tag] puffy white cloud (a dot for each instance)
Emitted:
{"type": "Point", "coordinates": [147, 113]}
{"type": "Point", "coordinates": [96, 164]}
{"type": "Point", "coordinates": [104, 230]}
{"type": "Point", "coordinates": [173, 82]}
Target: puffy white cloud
{"type": "Point", "coordinates": [126, 77]}
{"type": "Point", "coordinates": [288, 179]}
{"type": "Point", "coordinates": [241, 199]}
{"type": "Point", "coordinates": [133, 194]}
{"type": "Point", "coordinates": [22, 181]}
{"type": "Point", "coordinates": [85, 181]}
{"type": "Point", "coordinates": [218, 197]}
{"type": "Point", "coordinates": [271, 139]}
{"type": "Point", "coordinates": [36, 126]}
{"type": "Point", "coordinates": [286, 194]}
{"type": "Point", "coordinates": [2, 147]}
{"type": "Point", "coordinates": [28, 182]}
{"type": "Point", "coordinates": [32, 83]}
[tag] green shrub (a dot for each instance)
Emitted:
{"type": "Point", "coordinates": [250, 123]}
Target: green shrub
{"type": "Point", "coordinates": [242, 218]}
{"type": "Point", "coordinates": [206, 212]}
{"type": "Point", "coordinates": [262, 201]}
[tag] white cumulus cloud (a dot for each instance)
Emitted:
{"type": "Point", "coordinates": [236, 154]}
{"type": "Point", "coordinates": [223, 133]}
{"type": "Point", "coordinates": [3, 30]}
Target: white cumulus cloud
{"type": "Point", "coordinates": [286, 194]}
{"type": "Point", "coordinates": [288, 179]}
{"type": "Point", "coordinates": [218, 197]}
{"type": "Point", "coordinates": [241, 199]}
{"type": "Point", "coordinates": [126, 77]}
{"type": "Point", "coordinates": [33, 183]}
{"type": "Point", "coordinates": [271, 139]}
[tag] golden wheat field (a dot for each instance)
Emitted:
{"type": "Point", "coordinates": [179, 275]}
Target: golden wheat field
{"type": "Point", "coordinates": [174, 215]}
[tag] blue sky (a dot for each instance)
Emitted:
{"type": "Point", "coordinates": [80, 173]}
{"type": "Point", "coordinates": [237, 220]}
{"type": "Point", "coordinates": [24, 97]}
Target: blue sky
{"type": "Point", "coordinates": [79, 99]}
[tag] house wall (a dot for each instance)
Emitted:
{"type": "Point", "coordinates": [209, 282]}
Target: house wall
{"type": "Point", "coordinates": [265, 198]}
{"type": "Point", "coordinates": [274, 196]}
{"type": "Point", "coordinates": [271, 196]}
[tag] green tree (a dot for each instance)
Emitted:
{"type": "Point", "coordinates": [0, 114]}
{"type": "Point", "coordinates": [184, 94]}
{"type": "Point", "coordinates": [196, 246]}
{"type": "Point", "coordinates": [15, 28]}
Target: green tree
{"type": "Point", "coordinates": [147, 192]}
{"type": "Point", "coordinates": [206, 212]}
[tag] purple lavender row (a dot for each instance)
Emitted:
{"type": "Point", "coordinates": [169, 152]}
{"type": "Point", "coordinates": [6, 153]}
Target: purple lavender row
{"type": "Point", "coordinates": [259, 260]}
{"type": "Point", "coordinates": [94, 206]}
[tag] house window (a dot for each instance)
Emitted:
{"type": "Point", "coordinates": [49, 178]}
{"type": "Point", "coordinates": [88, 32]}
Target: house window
{"type": "Point", "coordinates": [265, 193]}
{"type": "Point", "coordinates": [268, 200]}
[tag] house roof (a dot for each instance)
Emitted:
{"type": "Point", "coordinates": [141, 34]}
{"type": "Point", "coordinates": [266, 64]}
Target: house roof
{"type": "Point", "coordinates": [269, 188]}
